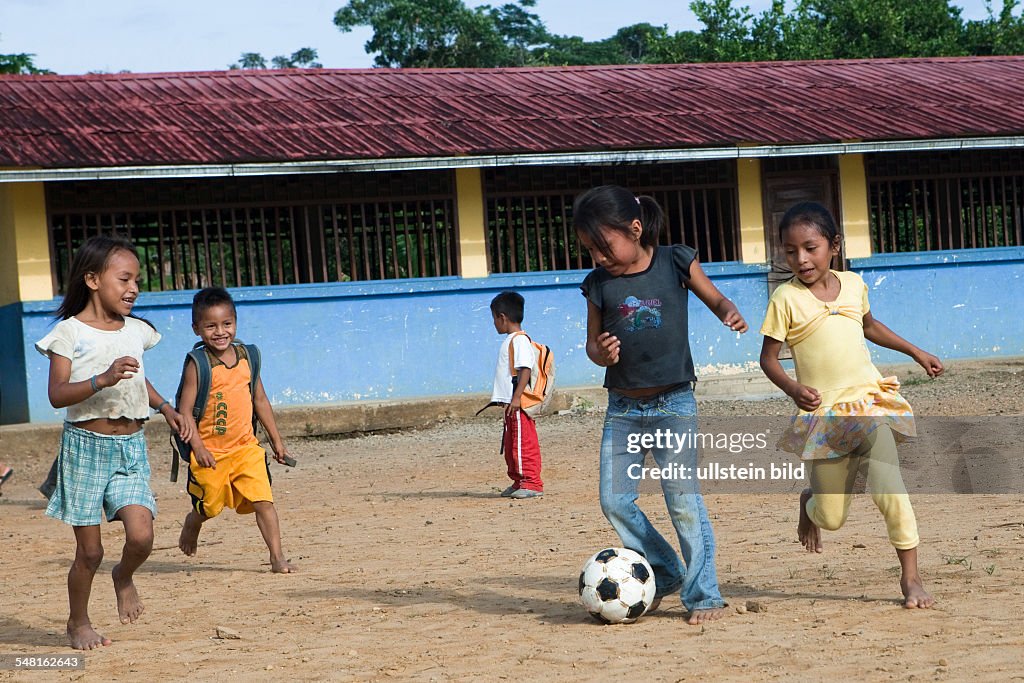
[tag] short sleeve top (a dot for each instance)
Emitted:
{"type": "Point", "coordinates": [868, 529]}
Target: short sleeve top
{"type": "Point", "coordinates": [827, 338]}
{"type": "Point", "coordinates": [524, 356]}
{"type": "Point", "coordinates": [91, 351]}
{"type": "Point", "coordinates": [647, 311]}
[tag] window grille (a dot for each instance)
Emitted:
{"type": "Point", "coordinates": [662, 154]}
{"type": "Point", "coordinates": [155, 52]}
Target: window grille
{"type": "Point", "coordinates": [926, 202]}
{"type": "Point", "coordinates": [255, 233]}
{"type": "Point", "coordinates": [529, 222]}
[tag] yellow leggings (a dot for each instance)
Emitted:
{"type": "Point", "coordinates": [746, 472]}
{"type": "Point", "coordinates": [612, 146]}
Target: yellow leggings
{"type": "Point", "coordinates": [832, 482]}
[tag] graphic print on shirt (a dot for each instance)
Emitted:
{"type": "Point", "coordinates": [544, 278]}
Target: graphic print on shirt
{"type": "Point", "coordinates": [640, 314]}
{"type": "Point", "coordinates": [220, 416]}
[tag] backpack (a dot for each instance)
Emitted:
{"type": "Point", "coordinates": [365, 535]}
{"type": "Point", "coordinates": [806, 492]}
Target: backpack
{"type": "Point", "coordinates": [204, 376]}
{"type": "Point", "coordinates": [536, 400]}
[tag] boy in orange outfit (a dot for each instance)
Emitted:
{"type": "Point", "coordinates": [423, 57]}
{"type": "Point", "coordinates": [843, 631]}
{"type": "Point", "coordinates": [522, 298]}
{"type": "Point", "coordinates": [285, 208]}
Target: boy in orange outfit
{"type": "Point", "coordinates": [228, 467]}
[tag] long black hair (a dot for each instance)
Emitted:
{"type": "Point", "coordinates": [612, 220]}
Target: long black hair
{"type": "Point", "coordinates": [612, 207]}
{"type": "Point", "coordinates": [91, 257]}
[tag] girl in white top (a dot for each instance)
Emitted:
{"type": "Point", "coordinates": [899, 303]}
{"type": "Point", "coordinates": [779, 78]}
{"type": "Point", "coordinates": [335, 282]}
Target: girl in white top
{"type": "Point", "coordinates": [96, 372]}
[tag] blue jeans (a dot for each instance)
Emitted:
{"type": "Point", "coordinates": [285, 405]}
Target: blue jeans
{"type": "Point", "coordinates": [674, 412]}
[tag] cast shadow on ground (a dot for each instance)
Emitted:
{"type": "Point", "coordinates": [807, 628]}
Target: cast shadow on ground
{"type": "Point", "coordinates": [28, 503]}
{"type": "Point", "coordinates": [509, 597]}
{"type": "Point", "coordinates": [15, 632]}
{"type": "Point", "coordinates": [562, 610]}
{"type": "Point", "coordinates": [184, 565]}
{"type": "Point", "coordinates": [739, 592]}
{"type": "Point", "coordinates": [434, 494]}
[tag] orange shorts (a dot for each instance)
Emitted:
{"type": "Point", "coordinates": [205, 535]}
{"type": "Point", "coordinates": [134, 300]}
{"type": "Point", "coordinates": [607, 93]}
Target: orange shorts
{"type": "Point", "coordinates": [241, 478]}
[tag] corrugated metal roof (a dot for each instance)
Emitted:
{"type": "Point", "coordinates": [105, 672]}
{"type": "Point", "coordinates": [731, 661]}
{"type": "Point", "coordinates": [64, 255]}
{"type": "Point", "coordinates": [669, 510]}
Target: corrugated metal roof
{"type": "Point", "coordinates": [230, 117]}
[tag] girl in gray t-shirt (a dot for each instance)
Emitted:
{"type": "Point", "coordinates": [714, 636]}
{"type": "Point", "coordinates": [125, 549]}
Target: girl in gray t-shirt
{"type": "Point", "coordinates": [637, 328]}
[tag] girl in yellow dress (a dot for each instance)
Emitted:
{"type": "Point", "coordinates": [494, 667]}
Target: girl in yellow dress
{"type": "Point", "coordinates": [849, 415]}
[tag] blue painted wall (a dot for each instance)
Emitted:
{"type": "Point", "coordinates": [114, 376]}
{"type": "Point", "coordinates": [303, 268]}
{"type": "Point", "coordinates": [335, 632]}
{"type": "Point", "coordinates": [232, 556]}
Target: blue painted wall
{"type": "Point", "coordinates": [416, 338]}
{"type": "Point", "coordinates": [955, 304]}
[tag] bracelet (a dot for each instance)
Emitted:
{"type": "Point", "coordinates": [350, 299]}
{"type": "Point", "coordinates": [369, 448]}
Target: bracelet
{"type": "Point", "coordinates": [92, 383]}
{"type": "Point", "coordinates": [161, 406]}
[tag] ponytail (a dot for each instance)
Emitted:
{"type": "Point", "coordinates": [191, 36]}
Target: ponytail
{"type": "Point", "coordinates": [651, 218]}
{"type": "Point", "coordinates": [612, 207]}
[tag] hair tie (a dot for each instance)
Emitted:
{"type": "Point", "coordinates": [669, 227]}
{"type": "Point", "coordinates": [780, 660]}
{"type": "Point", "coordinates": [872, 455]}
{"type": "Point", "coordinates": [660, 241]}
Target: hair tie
{"type": "Point", "coordinates": [637, 199]}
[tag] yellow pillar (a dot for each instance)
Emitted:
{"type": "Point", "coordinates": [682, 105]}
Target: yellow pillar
{"type": "Point", "coordinates": [751, 206]}
{"type": "Point", "coordinates": [469, 195]}
{"type": "Point", "coordinates": [853, 194]}
{"type": "Point", "coordinates": [25, 273]}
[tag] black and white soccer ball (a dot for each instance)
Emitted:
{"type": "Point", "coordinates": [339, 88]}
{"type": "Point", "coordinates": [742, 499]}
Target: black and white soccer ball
{"type": "Point", "coordinates": [617, 586]}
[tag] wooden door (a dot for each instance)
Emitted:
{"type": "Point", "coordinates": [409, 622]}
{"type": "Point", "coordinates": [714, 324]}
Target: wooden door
{"type": "Point", "coordinates": [780, 193]}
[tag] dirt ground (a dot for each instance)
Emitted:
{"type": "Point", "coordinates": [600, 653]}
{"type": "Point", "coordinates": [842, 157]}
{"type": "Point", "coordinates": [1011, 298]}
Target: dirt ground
{"type": "Point", "coordinates": [413, 568]}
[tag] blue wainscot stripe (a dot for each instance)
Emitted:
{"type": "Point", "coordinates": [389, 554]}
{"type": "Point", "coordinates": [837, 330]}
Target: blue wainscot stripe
{"type": "Point", "coordinates": [399, 339]}
{"type": "Point", "coordinates": [956, 304]}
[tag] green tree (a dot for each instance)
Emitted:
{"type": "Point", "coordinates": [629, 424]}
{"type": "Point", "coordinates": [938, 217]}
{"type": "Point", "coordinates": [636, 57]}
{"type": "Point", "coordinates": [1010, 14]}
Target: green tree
{"type": "Point", "coordinates": [1001, 34]}
{"type": "Point", "coordinates": [730, 34]}
{"type": "Point", "coordinates": [303, 58]}
{"type": "Point", "coordinates": [575, 51]}
{"type": "Point", "coordinates": [250, 60]}
{"type": "Point", "coordinates": [726, 34]}
{"type": "Point", "coordinates": [444, 33]}
{"type": "Point", "coordinates": [637, 43]}
{"type": "Point", "coordinates": [520, 30]}
{"type": "Point", "coordinates": [859, 29]}
{"type": "Point", "coordinates": [21, 63]}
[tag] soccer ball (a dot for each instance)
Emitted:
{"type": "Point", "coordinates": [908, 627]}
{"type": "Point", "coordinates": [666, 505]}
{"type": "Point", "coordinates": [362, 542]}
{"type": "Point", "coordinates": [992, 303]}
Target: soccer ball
{"type": "Point", "coordinates": [617, 586]}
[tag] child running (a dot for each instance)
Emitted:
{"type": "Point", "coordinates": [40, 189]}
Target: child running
{"type": "Point", "coordinates": [96, 372]}
{"type": "Point", "coordinates": [637, 328]}
{"type": "Point", "coordinates": [228, 467]}
{"type": "Point", "coordinates": [848, 413]}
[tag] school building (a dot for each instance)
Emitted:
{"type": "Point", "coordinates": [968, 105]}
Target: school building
{"type": "Point", "coordinates": [364, 219]}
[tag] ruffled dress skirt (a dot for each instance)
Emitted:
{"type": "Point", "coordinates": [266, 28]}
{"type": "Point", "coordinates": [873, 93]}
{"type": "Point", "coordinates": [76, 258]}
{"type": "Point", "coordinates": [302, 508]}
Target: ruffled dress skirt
{"type": "Point", "coordinates": [837, 430]}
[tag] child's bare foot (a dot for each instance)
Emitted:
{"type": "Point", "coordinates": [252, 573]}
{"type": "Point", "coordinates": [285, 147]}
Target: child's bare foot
{"type": "Point", "coordinates": [701, 616]}
{"type": "Point", "coordinates": [806, 530]}
{"type": "Point", "coordinates": [129, 606]}
{"type": "Point", "coordinates": [655, 604]}
{"type": "Point", "coordinates": [282, 566]}
{"type": "Point", "coordinates": [84, 637]}
{"type": "Point", "coordinates": [188, 541]}
{"type": "Point", "coordinates": [914, 594]}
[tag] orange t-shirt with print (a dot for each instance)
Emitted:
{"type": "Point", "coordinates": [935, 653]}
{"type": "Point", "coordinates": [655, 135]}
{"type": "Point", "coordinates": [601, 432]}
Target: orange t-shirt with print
{"type": "Point", "coordinates": [227, 422]}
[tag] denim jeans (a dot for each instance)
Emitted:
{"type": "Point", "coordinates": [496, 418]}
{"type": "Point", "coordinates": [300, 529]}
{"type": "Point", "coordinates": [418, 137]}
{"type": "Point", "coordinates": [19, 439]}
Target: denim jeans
{"type": "Point", "coordinates": [674, 412]}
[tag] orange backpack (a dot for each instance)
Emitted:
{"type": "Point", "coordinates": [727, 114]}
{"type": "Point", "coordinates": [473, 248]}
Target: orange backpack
{"type": "Point", "coordinates": [537, 395]}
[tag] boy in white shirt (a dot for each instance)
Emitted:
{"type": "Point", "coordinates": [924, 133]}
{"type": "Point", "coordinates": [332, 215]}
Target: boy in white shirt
{"type": "Point", "coordinates": [516, 357]}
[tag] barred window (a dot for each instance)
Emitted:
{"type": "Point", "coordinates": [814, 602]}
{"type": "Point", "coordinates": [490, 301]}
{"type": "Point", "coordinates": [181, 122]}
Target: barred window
{"type": "Point", "coordinates": [529, 222]}
{"type": "Point", "coordinates": [948, 200]}
{"type": "Point", "coordinates": [266, 231]}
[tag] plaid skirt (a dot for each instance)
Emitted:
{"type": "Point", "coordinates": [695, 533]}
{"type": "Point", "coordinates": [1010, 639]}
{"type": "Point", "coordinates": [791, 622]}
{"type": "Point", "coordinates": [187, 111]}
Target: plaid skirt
{"type": "Point", "coordinates": [98, 474]}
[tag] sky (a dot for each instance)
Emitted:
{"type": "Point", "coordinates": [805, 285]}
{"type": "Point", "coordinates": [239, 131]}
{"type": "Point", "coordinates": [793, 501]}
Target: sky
{"type": "Point", "coordinates": [76, 36]}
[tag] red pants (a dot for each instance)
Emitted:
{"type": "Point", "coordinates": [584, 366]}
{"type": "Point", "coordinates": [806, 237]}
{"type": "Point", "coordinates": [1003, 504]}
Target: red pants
{"type": "Point", "coordinates": [522, 451]}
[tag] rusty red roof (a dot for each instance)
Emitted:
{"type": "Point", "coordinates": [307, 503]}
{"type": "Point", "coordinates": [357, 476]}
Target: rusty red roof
{"type": "Point", "coordinates": [311, 115]}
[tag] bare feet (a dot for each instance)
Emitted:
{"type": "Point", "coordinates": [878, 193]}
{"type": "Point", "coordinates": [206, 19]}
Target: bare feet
{"type": "Point", "coordinates": [188, 541]}
{"type": "Point", "coordinates": [129, 606]}
{"type": "Point", "coordinates": [84, 637]}
{"type": "Point", "coordinates": [701, 616]}
{"type": "Point", "coordinates": [806, 530]}
{"type": "Point", "coordinates": [914, 594]}
{"type": "Point", "coordinates": [654, 605]}
{"type": "Point", "coordinates": [282, 566]}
